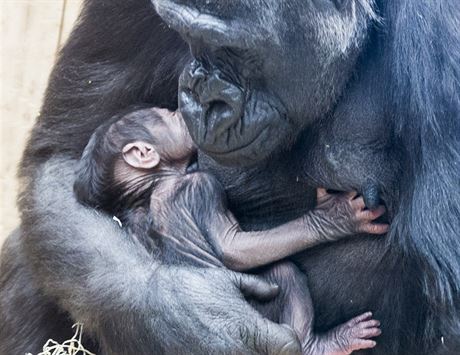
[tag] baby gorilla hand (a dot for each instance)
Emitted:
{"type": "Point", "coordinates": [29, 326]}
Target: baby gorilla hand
{"type": "Point", "coordinates": [342, 214]}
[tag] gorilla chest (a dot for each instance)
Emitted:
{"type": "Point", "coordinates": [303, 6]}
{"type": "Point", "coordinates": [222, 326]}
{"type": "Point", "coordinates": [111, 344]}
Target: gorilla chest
{"type": "Point", "coordinates": [264, 196]}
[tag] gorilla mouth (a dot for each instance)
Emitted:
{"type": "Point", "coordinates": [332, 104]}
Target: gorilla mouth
{"type": "Point", "coordinates": [233, 125]}
{"type": "Point", "coordinates": [228, 118]}
{"type": "Point", "coordinates": [246, 154]}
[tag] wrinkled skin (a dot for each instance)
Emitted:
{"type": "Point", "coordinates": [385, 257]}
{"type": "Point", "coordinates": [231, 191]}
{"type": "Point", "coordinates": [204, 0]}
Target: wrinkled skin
{"type": "Point", "coordinates": [389, 94]}
{"type": "Point", "coordinates": [273, 69]}
{"type": "Point", "coordinates": [240, 90]}
{"type": "Point", "coordinates": [242, 102]}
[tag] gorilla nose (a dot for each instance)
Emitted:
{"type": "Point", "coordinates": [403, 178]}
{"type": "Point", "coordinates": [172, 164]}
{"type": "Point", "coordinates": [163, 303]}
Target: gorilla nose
{"type": "Point", "coordinates": [221, 101]}
{"type": "Point", "coordinates": [206, 96]}
{"type": "Point", "coordinates": [197, 26]}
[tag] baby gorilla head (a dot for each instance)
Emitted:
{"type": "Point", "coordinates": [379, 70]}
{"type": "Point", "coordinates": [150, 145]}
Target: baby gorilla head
{"type": "Point", "coordinates": [126, 155]}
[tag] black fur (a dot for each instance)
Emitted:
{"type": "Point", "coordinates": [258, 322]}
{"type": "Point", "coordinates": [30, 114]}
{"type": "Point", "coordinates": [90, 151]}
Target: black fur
{"type": "Point", "coordinates": [77, 261]}
{"type": "Point", "coordinates": [424, 64]}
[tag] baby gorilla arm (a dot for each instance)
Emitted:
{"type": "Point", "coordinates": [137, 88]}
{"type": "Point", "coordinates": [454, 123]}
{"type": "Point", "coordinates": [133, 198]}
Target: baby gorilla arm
{"type": "Point", "coordinates": [197, 200]}
{"type": "Point", "coordinates": [126, 298]}
{"type": "Point", "coordinates": [335, 217]}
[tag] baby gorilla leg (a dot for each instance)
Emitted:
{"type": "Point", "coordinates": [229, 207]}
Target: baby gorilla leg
{"type": "Point", "coordinates": [296, 310]}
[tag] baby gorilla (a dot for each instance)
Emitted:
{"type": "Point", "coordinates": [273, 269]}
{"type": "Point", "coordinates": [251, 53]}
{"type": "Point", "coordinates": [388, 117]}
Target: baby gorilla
{"type": "Point", "coordinates": [138, 167]}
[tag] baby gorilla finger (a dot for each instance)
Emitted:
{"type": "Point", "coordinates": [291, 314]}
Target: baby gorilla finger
{"type": "Point", "coordinates": [358, 203]}
{"type": "Point", "coordinates": [363, 344]}
{"type": "Point", "coordinates": [361, 318]}
{"type": "Point", "coordinates": [368, 329]}
{"type": "Point", "coordinates": [321, 192]}
{"type": "Point", "coordinates": [351, 195]}
{"type": "Point", "coordinates": [374, 228]}
{"type": "Point", "coordinates": [370, 215]}
{"type": "Point", "coordinates": [362, 329]}
{"type": "Point", "coordinates": [371, 323]}
{"type": "Point", "coordinates": [368, 333]}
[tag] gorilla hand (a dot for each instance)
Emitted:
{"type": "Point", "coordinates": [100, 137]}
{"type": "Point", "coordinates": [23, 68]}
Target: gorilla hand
{"type": "Point", "coordinates": [343, 214]}
{"type": "Point", "coordinates": [204, 311]}
{"type": "Point", "coordinates": [129, 302]}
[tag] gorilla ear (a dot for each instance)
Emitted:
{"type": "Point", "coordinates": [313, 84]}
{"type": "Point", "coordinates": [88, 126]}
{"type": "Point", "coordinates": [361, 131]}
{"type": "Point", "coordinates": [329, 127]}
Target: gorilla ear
{"type": "Point", "coordinates": [141, 155]}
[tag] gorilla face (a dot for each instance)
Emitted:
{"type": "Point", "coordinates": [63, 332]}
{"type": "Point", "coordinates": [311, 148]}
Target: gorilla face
{"type": "Point", "coordinates": [263, 69]}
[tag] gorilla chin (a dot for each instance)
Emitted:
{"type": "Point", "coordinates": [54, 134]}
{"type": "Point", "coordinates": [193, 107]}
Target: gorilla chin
{"type": "Point", "coordinates": [232, 124]}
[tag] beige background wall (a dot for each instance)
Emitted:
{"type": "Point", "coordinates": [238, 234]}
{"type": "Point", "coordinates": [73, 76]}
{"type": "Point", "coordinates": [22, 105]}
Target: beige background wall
{"type": "Point", "coordinates": [31, 32]}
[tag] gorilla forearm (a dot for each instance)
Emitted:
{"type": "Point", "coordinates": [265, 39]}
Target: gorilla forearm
{"type": "Point", "coordinates": [20, 299]}
{"type": "Point", "coordinates": [130, 303]}
{"type": "Point", "coordinates": [82, 259]}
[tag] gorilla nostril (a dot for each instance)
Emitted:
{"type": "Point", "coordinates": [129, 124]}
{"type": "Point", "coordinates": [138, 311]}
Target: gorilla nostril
{"type": "Point", "coordinates": [198, 76]}
{"type": "Point", "coordinates": [218, 105]}
{"type": "Point", "coordinates": [221, 117]}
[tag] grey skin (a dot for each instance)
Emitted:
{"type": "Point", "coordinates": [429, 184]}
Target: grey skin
{"type": "Point", "coordinates": [196, 228]}
{"type": "Point", "coordinates": [240, 108]}
{"type": "Point", "coordinates": [124, 283]}
{"type": "Point", "coordinates": [68, 263]}
{"type": "Point", "coordinates": [240, 90]}
{"type": "Point", "coordinates": [185, 215]}
{"type": "Point", "coordinates": [374, 117]}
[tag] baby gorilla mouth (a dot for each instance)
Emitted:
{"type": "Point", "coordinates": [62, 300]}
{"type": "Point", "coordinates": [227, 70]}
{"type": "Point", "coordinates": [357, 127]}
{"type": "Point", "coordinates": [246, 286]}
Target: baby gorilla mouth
{"type": "Point", "coordinates": [232, 124]}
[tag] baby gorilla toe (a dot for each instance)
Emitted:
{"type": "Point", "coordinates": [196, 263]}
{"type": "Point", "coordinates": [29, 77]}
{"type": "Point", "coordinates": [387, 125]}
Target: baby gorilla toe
{"type": "Point", "coordinates": [354, 335]}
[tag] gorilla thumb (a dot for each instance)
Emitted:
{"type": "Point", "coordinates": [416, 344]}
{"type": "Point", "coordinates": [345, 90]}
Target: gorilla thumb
{"type": "Point", "coordinates": [255, 287]}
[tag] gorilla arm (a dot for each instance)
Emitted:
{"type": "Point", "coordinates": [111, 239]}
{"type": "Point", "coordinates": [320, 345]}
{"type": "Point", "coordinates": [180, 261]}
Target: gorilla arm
{"type": "Point", "coordinates": [131, 303]}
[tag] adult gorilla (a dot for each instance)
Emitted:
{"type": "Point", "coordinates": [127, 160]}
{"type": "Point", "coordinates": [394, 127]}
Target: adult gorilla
{"type": "Point", "coordinates": [375, 92]}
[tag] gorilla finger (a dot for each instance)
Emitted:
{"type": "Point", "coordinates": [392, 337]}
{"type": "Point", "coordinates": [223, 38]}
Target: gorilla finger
{"type": "Point", "coordinates": [273, 338]}
{"type": "Point", "coordinates": [369, 333]}
{"type": "Point", "coordinates": [372, 323]}
{"type": "Point", "coordinates": [351, 195]}
{"type": "Point", "coordinates": [364, 344]}
{"type": "Point", "coordinates": [370, 215]}
{"type": "Point", "coordinates": [358, 203]}
{"type": "Point", "coordinates": [321, 192]}
{"type": "Point", "coordinates": [255, 287]}
{"type": "Point", "coordinates": [374, 228]}
{"type": "Point", "coordinates": [361, 318]}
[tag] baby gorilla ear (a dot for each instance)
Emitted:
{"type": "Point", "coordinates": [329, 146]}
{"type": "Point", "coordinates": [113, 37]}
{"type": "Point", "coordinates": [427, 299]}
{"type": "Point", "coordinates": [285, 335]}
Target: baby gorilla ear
{"type": "Point", "coordinates": [141, 155]}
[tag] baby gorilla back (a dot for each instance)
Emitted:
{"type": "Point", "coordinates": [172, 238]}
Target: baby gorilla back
{"type": "Point", "coordinates": [183, 209]}
{"type": "Point", "coordinates": [187, 211]}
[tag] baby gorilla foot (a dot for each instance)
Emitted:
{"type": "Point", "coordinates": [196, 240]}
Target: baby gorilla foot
{"type": "Point", "coordinates": [346, 338]}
